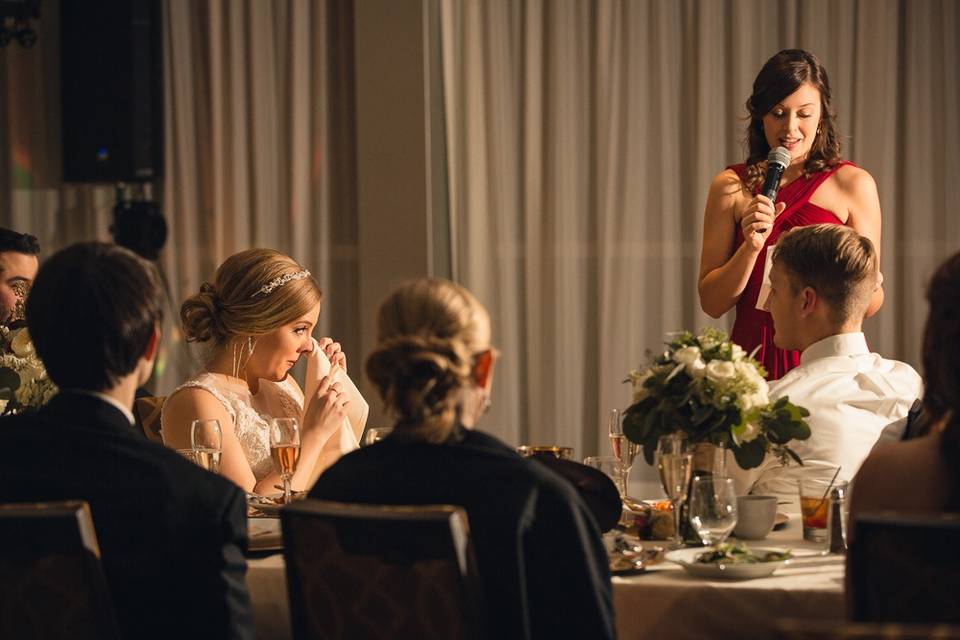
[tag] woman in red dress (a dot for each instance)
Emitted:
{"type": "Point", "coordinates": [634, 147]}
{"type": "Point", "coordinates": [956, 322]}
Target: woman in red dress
{"type": "Point", "coordinates": [790, 108]}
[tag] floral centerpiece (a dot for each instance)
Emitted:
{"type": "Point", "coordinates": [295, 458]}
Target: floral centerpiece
{"type": "Point", "coordinates": [708, 388]}
{"type": "Point", "coordinates": [24, 385]}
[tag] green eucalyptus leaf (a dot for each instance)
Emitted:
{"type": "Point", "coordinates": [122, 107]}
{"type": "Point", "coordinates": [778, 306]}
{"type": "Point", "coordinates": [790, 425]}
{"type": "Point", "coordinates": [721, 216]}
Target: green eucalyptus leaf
{"type": "Point", "coordinates": [749, 455]}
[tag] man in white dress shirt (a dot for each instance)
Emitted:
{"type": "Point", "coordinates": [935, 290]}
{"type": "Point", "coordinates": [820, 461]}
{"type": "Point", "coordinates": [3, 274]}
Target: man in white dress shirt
{"type": "Point", "coordinates": [821, 282]}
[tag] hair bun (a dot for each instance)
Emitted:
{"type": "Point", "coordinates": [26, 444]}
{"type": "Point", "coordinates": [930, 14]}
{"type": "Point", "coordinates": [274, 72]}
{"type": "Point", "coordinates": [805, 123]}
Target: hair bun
{"type": "Point", "coordinates": [416, 374]}
{"type": "Point", "coordinates": [199, 315]}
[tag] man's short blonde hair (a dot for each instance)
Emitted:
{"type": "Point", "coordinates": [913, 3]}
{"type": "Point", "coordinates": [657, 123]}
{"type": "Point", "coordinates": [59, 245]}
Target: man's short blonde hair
{"type": "Point", "coordinates": [835, 261]}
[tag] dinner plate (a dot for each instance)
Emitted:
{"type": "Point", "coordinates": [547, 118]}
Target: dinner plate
{"type": "Point", "coordinates": [268, 505]}
{"type": "Point", "coordinates": [686, 558]}
{"type": "Point", "coordinates": [263, 534]}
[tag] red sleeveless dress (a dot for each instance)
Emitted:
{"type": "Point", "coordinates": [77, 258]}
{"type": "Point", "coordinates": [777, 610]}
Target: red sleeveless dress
{"type": "Point", "coordinates": [753, 326]}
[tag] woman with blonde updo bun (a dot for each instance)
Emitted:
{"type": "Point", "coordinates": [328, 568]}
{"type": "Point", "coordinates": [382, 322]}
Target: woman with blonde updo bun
{"type": "Point", "coordinates": [255, 321]}
{"type": "Point", "coordinates": [540, 557]}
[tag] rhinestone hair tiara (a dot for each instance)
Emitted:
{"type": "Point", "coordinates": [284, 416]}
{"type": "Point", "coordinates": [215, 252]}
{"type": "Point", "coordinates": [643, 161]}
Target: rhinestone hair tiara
{"type": "Point", "coordinates": [279, 282]}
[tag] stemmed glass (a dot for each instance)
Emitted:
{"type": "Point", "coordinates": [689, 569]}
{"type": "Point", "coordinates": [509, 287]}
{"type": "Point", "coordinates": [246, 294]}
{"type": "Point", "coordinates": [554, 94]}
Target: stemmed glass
{"type": "Point", "coordinates": [376, 434]}
{"type": "Point", "coordinates": [623, 449]}
{"type": "Point", "coordinates": [206, 441]}
{"type": "Point", "coordinates": [713, 508]}
{"type": "Point", "coordinates": [285, 450]}
{"type": "Point", "coordinates": [674, 461]}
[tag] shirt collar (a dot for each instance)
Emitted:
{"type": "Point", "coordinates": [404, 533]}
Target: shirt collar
{"type": "Point", "coordinates": [109, 400]}
{"type": "Point", "coordinates": [842, 344]}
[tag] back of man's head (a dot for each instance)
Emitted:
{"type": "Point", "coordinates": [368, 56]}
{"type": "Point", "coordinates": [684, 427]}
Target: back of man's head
{"type": "Point", "coordinates": [11, 240]}
{"type": "Point", "coordinates": [91, 314]}
{"type": "Point", "coordinates": [836, 262]}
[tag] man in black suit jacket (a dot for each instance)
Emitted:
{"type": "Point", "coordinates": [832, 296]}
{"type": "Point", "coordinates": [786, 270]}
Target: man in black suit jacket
{"type": "Point", "coordinates": [171, 534]}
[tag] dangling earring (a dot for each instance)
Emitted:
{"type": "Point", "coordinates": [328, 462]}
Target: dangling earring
{"type": "Point", "coordinates": [249, 345]}
{"type": "Point", "coordinates": [819, 130]}
{"type": "Point", "coordinates": [236, 360]}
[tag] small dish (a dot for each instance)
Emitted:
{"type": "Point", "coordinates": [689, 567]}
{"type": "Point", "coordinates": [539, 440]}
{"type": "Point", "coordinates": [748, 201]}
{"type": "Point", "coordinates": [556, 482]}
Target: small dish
{"type": "Point", "coordinates": [686, 558]}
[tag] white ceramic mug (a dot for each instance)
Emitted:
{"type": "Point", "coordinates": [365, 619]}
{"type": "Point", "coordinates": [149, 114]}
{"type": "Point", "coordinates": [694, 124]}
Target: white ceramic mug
{"type": "Point", "coordinates": [755, 516]}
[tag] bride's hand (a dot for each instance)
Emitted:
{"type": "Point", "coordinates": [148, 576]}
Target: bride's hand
{"type": "Point", "coordinates": [326, 409]}
{"type": "Point", "coordinates": [334, 352]}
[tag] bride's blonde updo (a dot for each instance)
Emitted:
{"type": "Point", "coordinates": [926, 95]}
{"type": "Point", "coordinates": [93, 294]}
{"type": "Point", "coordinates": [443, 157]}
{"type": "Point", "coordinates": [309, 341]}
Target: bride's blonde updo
{"type": "Point", "coordinates": [428, 331]}
{"type": "Point", "coordinates": [235, 304]}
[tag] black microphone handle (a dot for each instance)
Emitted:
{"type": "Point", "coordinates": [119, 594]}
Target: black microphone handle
{"type": "Point", "coordinates": [771, 183]}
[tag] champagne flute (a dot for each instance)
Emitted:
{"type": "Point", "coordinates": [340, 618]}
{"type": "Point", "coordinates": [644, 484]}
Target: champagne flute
{"type": "Point", "coordinates": [674, 462]}
{"type": "Point", "coordinates": [713, 508]}
{"type": "Point", "coordinates": [285, 450]}
{"type": "Point", "coordinates": [206, 440]}
{"type": "Point", "coordinates": [623, 449]}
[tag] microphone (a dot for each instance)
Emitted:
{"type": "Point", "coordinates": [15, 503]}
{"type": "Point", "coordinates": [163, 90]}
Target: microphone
{"type": "Point", "coordinates": [777, 162]}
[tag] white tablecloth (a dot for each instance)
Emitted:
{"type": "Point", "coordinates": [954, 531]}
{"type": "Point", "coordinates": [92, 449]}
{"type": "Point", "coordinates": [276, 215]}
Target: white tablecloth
{"type": "Point", "coordinates": [662, 603]}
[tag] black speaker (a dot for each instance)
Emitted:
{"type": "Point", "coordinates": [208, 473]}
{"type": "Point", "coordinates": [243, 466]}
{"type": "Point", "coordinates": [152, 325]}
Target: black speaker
{"type": "Point", "coordinates": [111, 80]}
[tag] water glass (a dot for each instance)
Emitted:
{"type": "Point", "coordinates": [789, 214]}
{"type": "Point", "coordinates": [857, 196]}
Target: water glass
{"type": "Point", "coordinates": [206, 440]}
{"type": "Point", "coordinates": [713, 508]}
{"type": "Point", "coordinates": [285, 450]}
{"type": "Point", "coordinates": [612, 468]}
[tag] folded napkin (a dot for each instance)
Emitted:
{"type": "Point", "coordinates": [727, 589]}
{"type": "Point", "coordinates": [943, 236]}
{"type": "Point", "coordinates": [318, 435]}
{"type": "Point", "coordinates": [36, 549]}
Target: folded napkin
{"type": "Point", "coordinates": [348, 437]}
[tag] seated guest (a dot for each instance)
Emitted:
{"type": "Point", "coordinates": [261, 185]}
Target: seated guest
{"type": "Point", "coordinates": [922, 474]}
{"type": "Point", "coordinates": [821, 282]}
{"type": "Point", "coordinates": [18, 268]}
{"type": "Point", "coordinates": [255, 321]}
{"type": "Point", "coordinates": [171, 534]}
{"type": "Point", "coordinates": [540, 557]}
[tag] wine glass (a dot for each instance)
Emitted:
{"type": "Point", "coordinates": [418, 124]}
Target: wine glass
{"type": "Point", "coordinates": [376, 434]}
{"type": "Point", "coordinates": [206, 440]}
{"type": "Point", "coordinates": [713, 508]}
{"type": "Point", "coordinates": [285, 450]}
{"type": "Point", "coordinates": [623, 449]}
{"type": "Point", "coordinates": [674, 462]}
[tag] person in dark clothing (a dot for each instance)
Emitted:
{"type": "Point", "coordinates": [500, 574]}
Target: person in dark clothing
{"type": "Point", "coordinates": [539, 553]}
{"type": "Point", "coordinates": [171, 535]}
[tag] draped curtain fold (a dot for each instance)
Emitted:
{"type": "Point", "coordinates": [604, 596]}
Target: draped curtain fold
{"type": "Point", "coordinates": [582, 138]}
{"type": "Point", "coordinates": [258, 151]}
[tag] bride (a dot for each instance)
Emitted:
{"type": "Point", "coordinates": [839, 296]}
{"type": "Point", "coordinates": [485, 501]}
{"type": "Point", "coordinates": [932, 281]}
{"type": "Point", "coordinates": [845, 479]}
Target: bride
{"type": "Point", "coordinates": [255, 321]}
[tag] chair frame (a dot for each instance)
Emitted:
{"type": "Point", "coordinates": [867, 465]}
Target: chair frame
{"type": "Point", "coordinates": [454, 517]}
{"type": "Point", "coordinates": [858, 564]}
{"type": "Point", "coordinates": [67, 526]}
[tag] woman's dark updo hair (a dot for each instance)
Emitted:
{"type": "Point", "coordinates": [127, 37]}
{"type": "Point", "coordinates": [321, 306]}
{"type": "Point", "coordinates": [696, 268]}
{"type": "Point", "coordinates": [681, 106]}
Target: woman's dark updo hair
{"type": "Point", "coordinates": [233, 306]}
{"type": "Point", "coordinates": [783, 74]}
{"type": "Point", "coordinates": [941, 353]}
{"type": "Point", "coordinates": [428, 331]}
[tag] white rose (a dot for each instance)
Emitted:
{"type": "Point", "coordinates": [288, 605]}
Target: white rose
{"type": "Point", "coordinates": [707, 342]}
{"type": "Point", "coordinates": [687, 356]}
{"type": "Point", "coordinates": [737, 352]}
{"type": "Point", "coordinates": [639, 392]}
{"type": "Point", "coordinates": [720, 370]}
{"type": "Point", "coordinates": [697, 369]}
{"type": "Point", "coordinates": [21, 344]}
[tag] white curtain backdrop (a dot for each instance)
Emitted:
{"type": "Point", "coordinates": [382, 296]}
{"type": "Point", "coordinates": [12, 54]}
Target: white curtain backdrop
{"type": "Point", "coordinates": [258, 150]}
{"type": "Point", "coordinates": [582, 137]}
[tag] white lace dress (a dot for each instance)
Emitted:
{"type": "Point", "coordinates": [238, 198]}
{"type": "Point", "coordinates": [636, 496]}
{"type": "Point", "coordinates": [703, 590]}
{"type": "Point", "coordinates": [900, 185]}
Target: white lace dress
{"type": "Point", "coordinates": [250, 413]}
